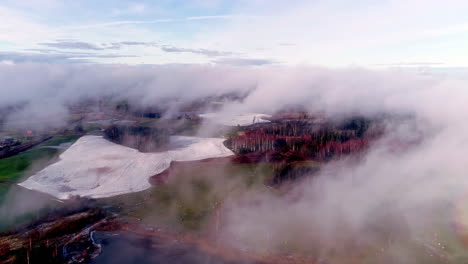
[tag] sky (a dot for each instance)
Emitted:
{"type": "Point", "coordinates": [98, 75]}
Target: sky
{"type": "Point", "coordinates": [332, 33]}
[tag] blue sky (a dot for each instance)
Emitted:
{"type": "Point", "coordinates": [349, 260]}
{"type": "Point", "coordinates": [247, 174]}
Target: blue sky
{"type": "Point", "coordinates": [331, 33]}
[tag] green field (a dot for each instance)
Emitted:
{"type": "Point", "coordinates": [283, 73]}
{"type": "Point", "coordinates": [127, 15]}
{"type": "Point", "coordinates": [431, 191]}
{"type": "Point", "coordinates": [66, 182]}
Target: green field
{"type": "Point", "coordinates": [193, 193]}
{"type": "Point", "coordinates": [189, 202]}
{"type": "Point", "coordinates": [191, 196]}
{"type": "Point", "coordinates": [17, 167]}
{"type": "Point", "coordinates": [19, 205]}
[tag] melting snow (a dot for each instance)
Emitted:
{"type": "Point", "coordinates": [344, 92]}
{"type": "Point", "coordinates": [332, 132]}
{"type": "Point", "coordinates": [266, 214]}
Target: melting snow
{"type": "Point", "coordinates": [95, 167]}
{"type": "Point", "coordinates": [242, 119]}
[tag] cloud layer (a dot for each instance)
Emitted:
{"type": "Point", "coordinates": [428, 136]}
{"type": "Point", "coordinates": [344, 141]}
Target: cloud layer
{"type": "Point", "coordinates": [270, 87]}
{"type": "Point", "coordinates": [390, 194]}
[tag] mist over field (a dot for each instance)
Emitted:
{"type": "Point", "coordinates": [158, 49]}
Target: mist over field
{"type": "Point", "coordinates": [49, 89]}
{"type": "Point", "coordinates": [413, 181]}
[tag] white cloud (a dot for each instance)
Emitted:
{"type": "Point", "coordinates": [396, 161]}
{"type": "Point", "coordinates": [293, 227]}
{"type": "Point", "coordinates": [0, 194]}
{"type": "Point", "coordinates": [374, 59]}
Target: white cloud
{"type": "Point", "coordinates": [332, 33]}
{"type": "Point", "coordinates": [337, 33]}
{"type": "Point", "coordinates": [19, 29]}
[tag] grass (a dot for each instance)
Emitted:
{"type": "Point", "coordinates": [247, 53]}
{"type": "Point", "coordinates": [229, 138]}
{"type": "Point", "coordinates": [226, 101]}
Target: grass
{"type": "Point", "coordinates": [19, 205]}
{"type": "Point", "coordinates": [190, 199]}
{"type": "Point", "coordinates": [192, 195]}
{"type": "Point", "coordinates": [17, 167]}
{"type": "Point", "coordinates": [57, 140]}
{"type": "Point", "coordinates": [3, 191]}
{"type": "Point", "coordinates": [14, 168]}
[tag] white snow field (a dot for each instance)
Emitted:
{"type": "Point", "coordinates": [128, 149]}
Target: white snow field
{"type": "Point", "coordinates": [241, 119]}
{"type": "Point", "coordinates": [94, 167]}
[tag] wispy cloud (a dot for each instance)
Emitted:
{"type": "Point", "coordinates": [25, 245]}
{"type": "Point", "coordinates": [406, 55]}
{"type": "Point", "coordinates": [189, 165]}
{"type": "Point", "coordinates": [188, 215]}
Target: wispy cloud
{"type": "Point", "coordinates": [206, 52]}
{"type": "Point", "coordinates": [212, 17]}
{"type": "Point", "coordinates": [135, 43]}
{"type": "Point", "coordinates": [80, 45]}
{"type": "Point", "coordinates": [52, 56]}
{"type": "Point", "coordinates": [244, 61]}
{"type": "Point", "coordinates": [154, 21]}
{"type": "Point", "coordinates": [73, 45]}
{"type": "Point", "coordinates": [411, 64]}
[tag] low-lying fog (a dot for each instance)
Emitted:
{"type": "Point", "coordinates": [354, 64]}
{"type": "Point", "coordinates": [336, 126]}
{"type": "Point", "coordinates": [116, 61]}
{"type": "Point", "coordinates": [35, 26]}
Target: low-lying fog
{"type": "Point", "coordinates": [400, 192]}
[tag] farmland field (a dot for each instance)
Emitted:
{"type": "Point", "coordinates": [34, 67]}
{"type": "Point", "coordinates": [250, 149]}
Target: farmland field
{"type": "Point", "coordinates": [19, 205]}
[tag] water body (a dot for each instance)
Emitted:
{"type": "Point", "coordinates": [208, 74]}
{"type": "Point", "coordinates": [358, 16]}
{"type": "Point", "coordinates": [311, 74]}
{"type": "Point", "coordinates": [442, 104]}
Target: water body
{"type": "Point", "coordinates": [122, 247]}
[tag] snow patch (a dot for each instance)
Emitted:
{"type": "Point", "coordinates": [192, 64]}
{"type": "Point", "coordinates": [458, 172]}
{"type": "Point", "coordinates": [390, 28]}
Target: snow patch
{"type": "Point", "coordinates": [95, 167]}
{"type": "Point", "coordinates": [241, 120]}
